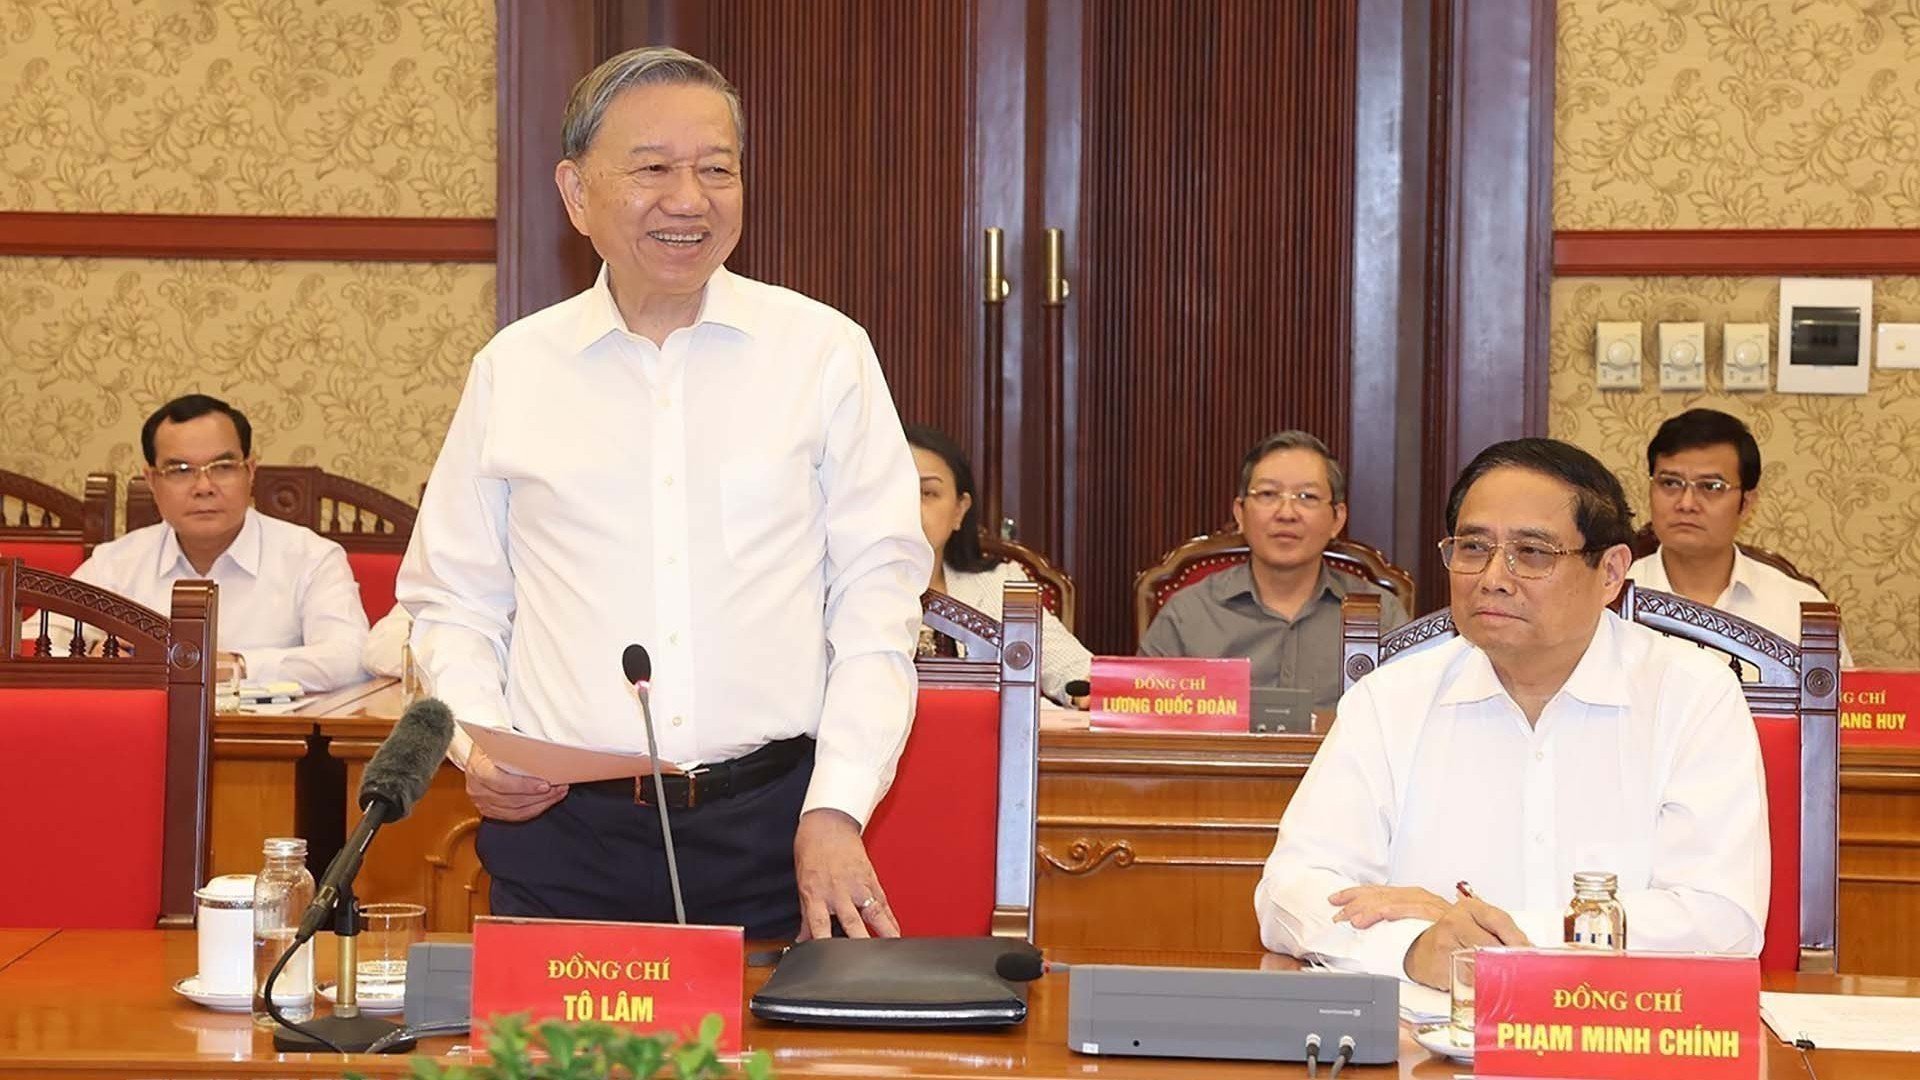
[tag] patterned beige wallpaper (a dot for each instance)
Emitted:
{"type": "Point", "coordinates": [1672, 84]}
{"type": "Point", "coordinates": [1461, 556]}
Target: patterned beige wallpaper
{"type": "Point", "coordinates": [1737, 114]}
{"type": "Point", "coordinates": [354, 367]}
{"type": "Point", "coordinates": [280, 107]}
{"type": "Point", "coordinates": [1840, 488]}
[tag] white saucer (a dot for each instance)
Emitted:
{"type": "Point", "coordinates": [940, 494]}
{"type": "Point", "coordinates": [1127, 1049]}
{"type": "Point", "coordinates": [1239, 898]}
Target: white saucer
{"type": "Point", "coordinates": [372, 1004]}
{"type": "Point", "coordinates": [189, 988]}
{"type": "Point", "coordinates": [1434, 1039]}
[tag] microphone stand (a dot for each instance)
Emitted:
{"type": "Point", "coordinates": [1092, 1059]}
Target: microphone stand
{"type": "Point", "coordinates": [346, 1031]}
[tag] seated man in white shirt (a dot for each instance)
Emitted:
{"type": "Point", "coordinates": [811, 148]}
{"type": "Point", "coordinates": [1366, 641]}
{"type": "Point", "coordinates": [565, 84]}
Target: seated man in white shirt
{"type": "Point", "coordinates": [1549, 737]}
{"type": "Point", "coordinates": [289, 606]}
{"type": "Point", "coordinates": [1704, 481]}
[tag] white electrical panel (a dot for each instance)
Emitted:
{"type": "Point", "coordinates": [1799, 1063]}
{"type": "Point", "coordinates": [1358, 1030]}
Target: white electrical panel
{"type": "Point", "coordinates": [1823, 335]}
{"type": "Point", "coordinates": [1683, 356]}
{"type": "Point", "coordinates": [1743, 356]}
{"type": "Point", "coordinates": [1616, 355]}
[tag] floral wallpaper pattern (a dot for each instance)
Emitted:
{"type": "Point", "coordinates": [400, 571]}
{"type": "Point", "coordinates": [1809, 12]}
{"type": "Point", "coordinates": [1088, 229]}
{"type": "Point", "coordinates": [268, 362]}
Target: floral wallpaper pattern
{"type": "Point", "coordinates": [276, 107]}
{"type": "Point", "coordinates": [355, 367]}
{"type": "Point", "coordinates": [1840, 483]}
{"type": "Point", "coordinates": [1737, 114]}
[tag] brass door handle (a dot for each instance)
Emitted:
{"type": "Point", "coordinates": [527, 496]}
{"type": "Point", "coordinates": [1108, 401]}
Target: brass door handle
{"type": "Point", "coordinates": [1056, 266]}
{"type": "Point", "coordinates": [996, 286]}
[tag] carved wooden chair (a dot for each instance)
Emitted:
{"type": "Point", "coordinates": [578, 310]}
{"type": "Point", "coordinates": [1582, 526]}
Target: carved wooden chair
{"type": "Point", "coordinates": [370, 524]}
{"type": "Point", "coordinates": [49, 529]}
{"type": "Point", "coordinates": [1204, 556]}
{"type": "Point", "coordinates": [109, 753]}
{"type": "Point", "coordinates": [1645, 543]}
{"type": "Point", "coordinates": [1056, 588]}
{"type": "Point", "coordinates": [953, 841]}
{"type": "Point", "coordinates": [1794, 694]}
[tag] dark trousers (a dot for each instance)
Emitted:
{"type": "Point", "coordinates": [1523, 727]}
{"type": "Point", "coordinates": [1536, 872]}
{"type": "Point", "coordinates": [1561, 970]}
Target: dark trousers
{"type": "Point", "coordinates": [599, 855]}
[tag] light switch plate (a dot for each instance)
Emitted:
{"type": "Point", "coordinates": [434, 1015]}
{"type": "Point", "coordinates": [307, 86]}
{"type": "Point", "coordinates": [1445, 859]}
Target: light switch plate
{"type": "Point", "coordinates": [1743, 356]}
{"type": "Point", "coordinates": [1616, 355]}
{"type": "Point", "coordinates": [1683, 356]}
{"type": "Point", "coordinates": [1898, 346]}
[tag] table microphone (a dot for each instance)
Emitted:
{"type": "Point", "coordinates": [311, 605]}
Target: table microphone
{"type": "Point", "coordinates": [639, 670]}
{"type": "Point", "coordinates": [1025, 966]}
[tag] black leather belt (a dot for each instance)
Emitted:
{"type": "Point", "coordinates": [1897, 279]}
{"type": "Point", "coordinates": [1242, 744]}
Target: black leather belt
{"type": "Point", "coordinates": [720, 780]}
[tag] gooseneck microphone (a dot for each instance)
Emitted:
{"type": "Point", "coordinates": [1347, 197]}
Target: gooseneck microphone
{"type": "Point", "coordinates": [639, 671]}
{"type": "Point", "coordinates": [396, 777]}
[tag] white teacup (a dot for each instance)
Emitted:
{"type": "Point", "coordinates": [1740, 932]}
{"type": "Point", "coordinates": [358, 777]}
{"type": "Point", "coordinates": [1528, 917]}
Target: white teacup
{"type": "Point", "coordinates": [225, 928]}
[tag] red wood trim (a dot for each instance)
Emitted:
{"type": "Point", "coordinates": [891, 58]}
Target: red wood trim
{"type": "Point", "coordinates": [1736, 251]}
{"type": "Point", "coordinates": [189, 236]}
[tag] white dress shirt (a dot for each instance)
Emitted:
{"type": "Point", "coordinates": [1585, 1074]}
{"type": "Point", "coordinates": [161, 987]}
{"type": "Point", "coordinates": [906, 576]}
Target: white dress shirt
{"type": "Point", "coordinates": [1645, 764]}
{"type": "Point", "coordinates": [740, 500]}
{"type": "Point", "coordinates": [1062, 657]}
{"type": "Point", "coordinates": [288, 600]}
{"type": "Point", "coordinates": [385, 650]}
{"type": "Point", "coordinates": [1756, 592]}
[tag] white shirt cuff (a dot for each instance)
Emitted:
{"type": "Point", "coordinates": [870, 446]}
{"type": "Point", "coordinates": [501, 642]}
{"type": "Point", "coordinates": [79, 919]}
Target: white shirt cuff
{"type": "Point", "coordinates": [1382, 948]}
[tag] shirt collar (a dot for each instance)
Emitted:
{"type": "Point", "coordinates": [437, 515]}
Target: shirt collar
{"type": "Point", "coordinates": [244, 552]}
{"type": "Point", "coordinates": [1742, 578]}
{"type": "Point", "coordinates": [721, 304]}
{"type": "Point", "coordinates": [1237, 581]}
{"type": "Point", "coordinates": [1598, 679]}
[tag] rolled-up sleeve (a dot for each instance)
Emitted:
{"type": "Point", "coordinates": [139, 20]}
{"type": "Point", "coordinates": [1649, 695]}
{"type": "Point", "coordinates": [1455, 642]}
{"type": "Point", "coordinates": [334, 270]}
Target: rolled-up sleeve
{"type": "Point", "coordinates": [456, 580]}
{"type": "Point", "coordinates": [877, 565]}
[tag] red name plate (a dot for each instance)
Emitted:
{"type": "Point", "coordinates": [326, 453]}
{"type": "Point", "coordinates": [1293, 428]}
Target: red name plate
{"type": "Point", "coordinates": [645, 976]}
{"type": "Point", "coordinates": [1592, 1015]}
{"type": "Point", "coordinates": [1880, 708]}
{"type": "Point", "coordinates": [1141, 693]}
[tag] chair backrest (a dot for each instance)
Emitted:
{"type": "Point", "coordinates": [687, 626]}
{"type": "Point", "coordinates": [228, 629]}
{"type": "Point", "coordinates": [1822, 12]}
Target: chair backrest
{"type": "Point", "coordinates": [49, 529]}
{"type": "Point", "coordinates": [1056, 588]}
{"type": "Point", "coordinates": [370, 524]}
{"type": "Point", "coordinates": [1793, 692]}
{"type": "Point", "coordinates": [953, 841]}
{"type": "Point", "coordinates": [109, 753]}
{"type": "Point", "coordinates": [1203, 556]}
{"type": "Point", "coordinates": [1645, 543]}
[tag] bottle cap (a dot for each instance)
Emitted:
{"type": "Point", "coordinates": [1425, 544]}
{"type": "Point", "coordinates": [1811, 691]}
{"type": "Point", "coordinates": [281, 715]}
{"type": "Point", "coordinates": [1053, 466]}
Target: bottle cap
{"type": "Point", "coordinates": [1596, 881]}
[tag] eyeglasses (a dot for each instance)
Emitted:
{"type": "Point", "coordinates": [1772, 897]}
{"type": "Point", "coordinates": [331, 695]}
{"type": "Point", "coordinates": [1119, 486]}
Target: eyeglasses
{"type": "Point", "coordinates": [661, 174]}
{"type": "Point", "coordinates": [1304, 501]}
{"type": "Point", "coordinates": [1708, 488]}
{"type": "Point", "coordinates": [180, 474]}
{"type": "Point", "coordinates": [1525, 558]}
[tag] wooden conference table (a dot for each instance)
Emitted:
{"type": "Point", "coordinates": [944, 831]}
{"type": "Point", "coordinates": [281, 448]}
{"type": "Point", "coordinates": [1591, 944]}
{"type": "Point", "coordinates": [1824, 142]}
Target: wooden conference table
{"type": "Point", "coordinates": [1145, 840]}
{"type": "Point", "coordinates": [96, 1003]}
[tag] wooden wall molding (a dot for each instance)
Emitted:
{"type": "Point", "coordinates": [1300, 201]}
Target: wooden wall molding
{"type": "Point", "coordinates": [239, 236]}
{"type": "Point", "coordinates": [1722, 252]}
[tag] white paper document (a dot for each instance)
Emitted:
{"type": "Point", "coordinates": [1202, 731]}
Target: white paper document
{"type": "Point", "coordinates": [1844, 1021]}
{"type": "Point", "coordinates": [1423, 1004]}
{"type": "Point", "coordinates": [558, 763]}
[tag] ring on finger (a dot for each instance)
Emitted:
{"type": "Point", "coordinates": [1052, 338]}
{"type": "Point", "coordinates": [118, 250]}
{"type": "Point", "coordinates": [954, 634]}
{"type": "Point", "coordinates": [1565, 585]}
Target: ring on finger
{"type": "Point", "coordinates": [867, 903]}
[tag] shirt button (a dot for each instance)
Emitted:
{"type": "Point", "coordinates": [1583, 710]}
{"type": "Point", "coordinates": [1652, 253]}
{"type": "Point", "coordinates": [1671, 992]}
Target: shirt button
{"type": "Point", "coordinates": [665, 401]}
{"type": "Point", "coordinates": [669, 481]}
{"type": "Point", "coordinates": [678, 720]}
{"type": "Point", "coordinates": [1538, 838]}
{"type": "Point", "coordinates": [673, 639]}
{"type": "Point", "coordinates": [673, 560]}
{"type": "Point", "coordinates": [1539, 755]}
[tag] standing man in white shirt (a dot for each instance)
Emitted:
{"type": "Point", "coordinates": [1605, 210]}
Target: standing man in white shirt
{"type": "Point", "coordinates": [710, 467]}
{"type": "Point", "coordinates": [1549, 737]}
{"type": "Point", "coordinates": [1703, 470]}
{"type": "Point", "coordinates": [289, 606]}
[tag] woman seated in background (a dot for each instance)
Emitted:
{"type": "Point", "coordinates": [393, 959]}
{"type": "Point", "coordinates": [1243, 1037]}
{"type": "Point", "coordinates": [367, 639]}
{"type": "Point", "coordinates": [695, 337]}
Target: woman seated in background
{"type": "Point", "coordinates": [966, 573]}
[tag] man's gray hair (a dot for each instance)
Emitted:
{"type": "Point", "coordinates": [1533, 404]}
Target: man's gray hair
{"type": "Point", "coordinates": [651, 66]}
{"type": "Point", "coordinates": [1294, 440]}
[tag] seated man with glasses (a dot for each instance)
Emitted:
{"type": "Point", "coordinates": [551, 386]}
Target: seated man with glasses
{"type": "Point", "coordinates": [1704, 480]}
{"type": "Point", "coordinates": [1282, 608]}
{"type": "Point", "coordinates": [1550, 736]}
{"type": "Point", "coordinates": [289, 606]}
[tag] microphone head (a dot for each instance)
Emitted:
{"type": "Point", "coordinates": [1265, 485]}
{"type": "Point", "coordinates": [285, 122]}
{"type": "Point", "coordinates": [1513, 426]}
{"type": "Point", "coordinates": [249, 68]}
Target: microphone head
{"type": "Point", "coordinates": [1078, 688]}
{"type": "Point", "coordinates": [1020, 966]}
{"type": "Point", "coordinates": [637, 664]}
{"type": "Point", "coordinates": [403, 768]}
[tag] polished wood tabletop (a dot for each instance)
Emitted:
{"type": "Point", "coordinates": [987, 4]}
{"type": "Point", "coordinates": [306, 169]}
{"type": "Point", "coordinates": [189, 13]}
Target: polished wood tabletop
{"type": "Point", "coordinates": [15, 944]}
{"type": "Point", "coordinates": [99, 1003]}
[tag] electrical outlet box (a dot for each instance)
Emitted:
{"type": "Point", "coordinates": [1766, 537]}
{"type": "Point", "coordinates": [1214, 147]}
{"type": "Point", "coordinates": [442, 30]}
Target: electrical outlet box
{"type": "Point", "coordinates": [1683, 356]}
{"type": "Point", "coordinates": [1743, 356]}
{"type": "Point", "coordinates": [1616, 355]}
{"type": "Point", "coordinates": [1899, 345]}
